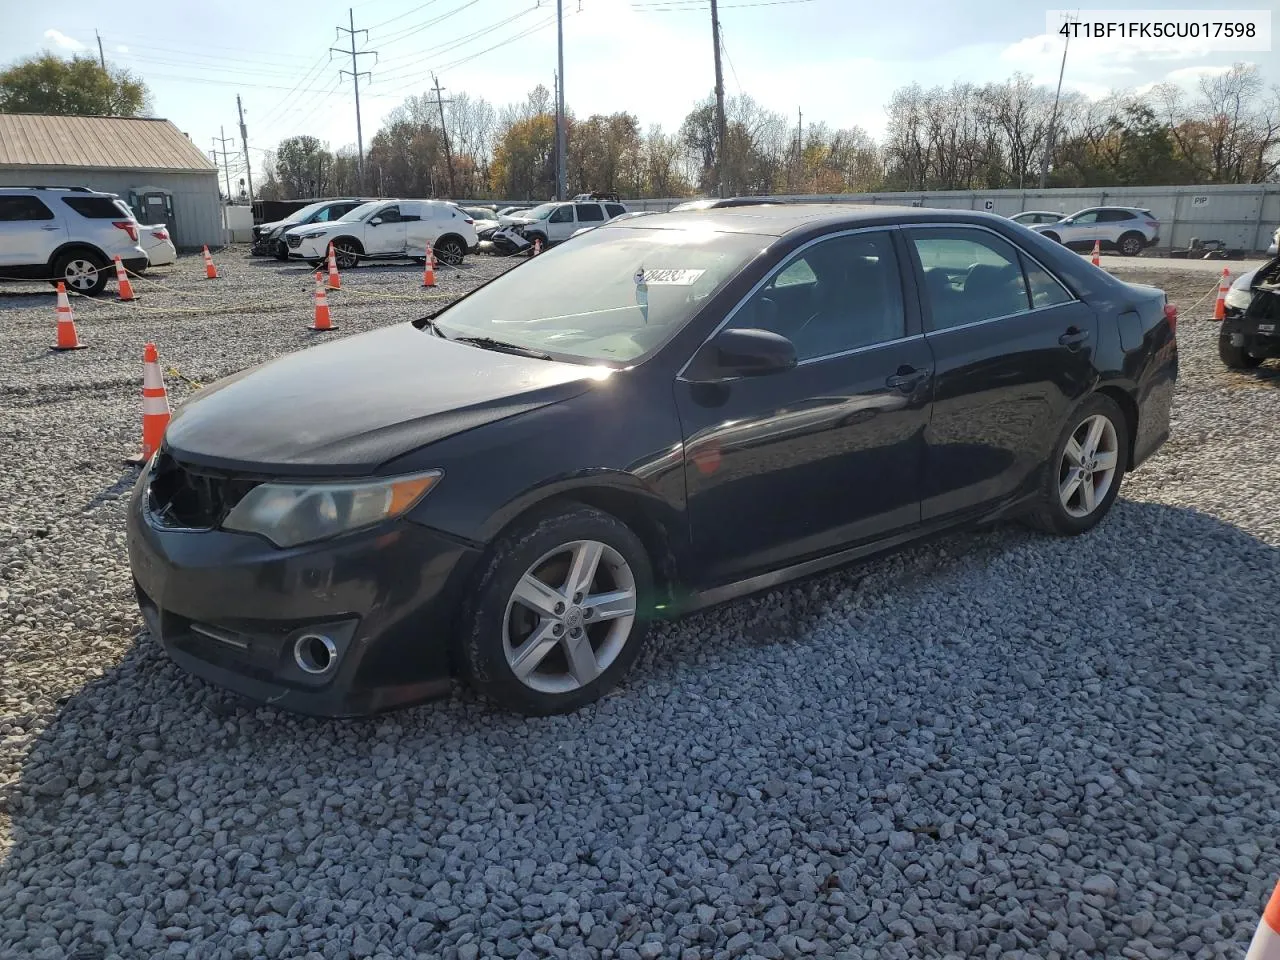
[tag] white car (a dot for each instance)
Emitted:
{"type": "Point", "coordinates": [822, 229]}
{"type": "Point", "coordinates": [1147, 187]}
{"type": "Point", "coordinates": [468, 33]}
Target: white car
{"type": "Point", "coordinates": [156, 241]}
{"type": "Point", "coordinates": [1275, 243]}
{"type": "Point", "coordinates": [1130, 230]}
{"type": "Point", "coordinates": [67, 234]}
{"type": "Point", "coordinates": [391, 229]}
{"type": "Point", "coordinates": [552, 222]}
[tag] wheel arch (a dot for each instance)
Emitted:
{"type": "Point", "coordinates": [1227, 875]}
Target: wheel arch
{"type": "Point", "coordinates": [347, 238]}
{"type": "Point", "coordinates": [648, 516]}
{"type": "Point", "coordinates": [1129, 407]}
{"type": "Point", "coordinates": [72, 246]}
{"type": "Point", "coordinates": [452, 236]}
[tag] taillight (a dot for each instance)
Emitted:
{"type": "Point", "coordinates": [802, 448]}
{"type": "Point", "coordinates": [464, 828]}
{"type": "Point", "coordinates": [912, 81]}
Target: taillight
{"type": "Point", "coordinates": [160, 234]}
{"type": "Point", "coordinates": [128, 227]}
{"type": "Point", "coordinates": [1153, 223]}
{"type": "Point", "coordinates": [1171, 314]}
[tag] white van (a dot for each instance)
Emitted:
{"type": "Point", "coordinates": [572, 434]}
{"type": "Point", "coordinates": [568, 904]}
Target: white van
{"type": "Point", "coordinates": [389, 229]}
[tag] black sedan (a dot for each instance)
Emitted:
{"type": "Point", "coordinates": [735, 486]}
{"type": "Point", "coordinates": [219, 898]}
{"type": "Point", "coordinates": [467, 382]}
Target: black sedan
{"type": "Point", "coordinates": [665, 414]}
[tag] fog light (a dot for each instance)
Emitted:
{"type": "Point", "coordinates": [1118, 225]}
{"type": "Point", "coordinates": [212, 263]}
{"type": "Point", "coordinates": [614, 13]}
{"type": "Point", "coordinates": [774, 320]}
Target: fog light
{"type": "Point", "coordinates": [315, 653]}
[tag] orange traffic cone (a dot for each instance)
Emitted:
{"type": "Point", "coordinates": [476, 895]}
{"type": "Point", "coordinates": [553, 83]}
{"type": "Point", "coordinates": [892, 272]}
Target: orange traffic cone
{"type": "Point", "coordinates": [1097, 252]}
{"type": "Point", "coordinates": [68, 339]}
{"type": "Point", "coordinates": [122, 281]}
{"type": "Point", "coordinates": [1266, 939]}
{"type": "Point", "coordinates": [429, 272]}
{"type": "Point", "coordinates": [1224, 286]}
{"type": "Point", "coordinates": [335, 282]}
{"type": "Point", "coordinates": [210, 271]}
{"type": "Point", "coordinates": [322, 321]}
{"type": "Point", "coordinates": [537, 246]}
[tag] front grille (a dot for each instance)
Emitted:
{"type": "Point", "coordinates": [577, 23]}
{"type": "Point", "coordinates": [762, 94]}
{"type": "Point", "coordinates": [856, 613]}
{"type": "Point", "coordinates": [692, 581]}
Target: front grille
{"type": "Point", "coordinates": [191, 499]}
{"type": "Point", "coordinates": [294, 242]}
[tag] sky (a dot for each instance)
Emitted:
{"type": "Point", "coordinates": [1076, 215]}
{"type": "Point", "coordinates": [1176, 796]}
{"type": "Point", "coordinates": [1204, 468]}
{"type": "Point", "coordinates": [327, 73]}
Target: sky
{"type": "Point", "coordinates": [838, 61]}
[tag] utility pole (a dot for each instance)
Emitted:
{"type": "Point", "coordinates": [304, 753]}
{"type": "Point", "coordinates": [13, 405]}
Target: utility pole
{"type": "Point", "coordinates": [800, 147]}
{"type": "Point", "coordinates": [561, 146]}
{"type": "Point", "coordinates": [101, 58]}
{"type": "Point", "coordinates": [355, 79]}
{"type": "Point", "coordinates": [720, 135]}
{"type": "Point", "coordinates": [244, 139]}
{"type": "Point", "coordinates": [555, 85]}
{"type": "Point", "coordinates": [444, 132]}
{"type": "Point", "coordinates": [1053, 117]}
{"type": "Point", "coordinates": [224, 153]}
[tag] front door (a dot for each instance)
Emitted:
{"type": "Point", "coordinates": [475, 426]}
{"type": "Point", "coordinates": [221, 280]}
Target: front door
{"type": "Point", "coordinates": [560, 225]}
{"type": "Point", "coordinates": [1083, 230]}
{"type": "Point", "coordinates": [29, 230]}
{"type": "Point", "coordinates": [800, 462]}
{"type": "Point", "coordinates": [1014, 352]}
{"type": "Point", "coordinates": [387, 237]}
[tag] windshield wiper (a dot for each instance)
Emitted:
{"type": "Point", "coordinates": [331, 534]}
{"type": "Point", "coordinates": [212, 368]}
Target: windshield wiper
{"type": "Point", "coordinates": [488, 343]}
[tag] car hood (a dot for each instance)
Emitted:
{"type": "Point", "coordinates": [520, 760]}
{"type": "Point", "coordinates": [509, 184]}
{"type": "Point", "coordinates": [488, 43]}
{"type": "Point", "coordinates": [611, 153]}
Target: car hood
{"type": "Point", "coordinates": [516, 221]}
{"type": "Point", "coordinates": [319, 227]}
{"type": "Point", "coordinates": [343, 408]}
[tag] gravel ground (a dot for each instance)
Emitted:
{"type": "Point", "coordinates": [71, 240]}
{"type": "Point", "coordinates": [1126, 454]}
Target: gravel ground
{"type": "Point", "coordinates": [1001, 745]}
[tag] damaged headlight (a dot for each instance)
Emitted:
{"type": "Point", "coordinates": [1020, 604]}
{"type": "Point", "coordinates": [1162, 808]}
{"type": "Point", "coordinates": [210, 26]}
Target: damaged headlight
{"type": "Point", "coordinates": [289, 514]}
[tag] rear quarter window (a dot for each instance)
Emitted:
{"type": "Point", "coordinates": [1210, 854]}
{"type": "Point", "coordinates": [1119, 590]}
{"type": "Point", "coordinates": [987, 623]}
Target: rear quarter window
{"type": "Point", "coordinates": [98, 208]}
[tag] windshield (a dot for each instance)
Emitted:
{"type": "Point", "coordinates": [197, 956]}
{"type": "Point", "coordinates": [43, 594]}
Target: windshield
{"type": "Point", "coordinates": [299, 215]}
{"type": "Point", "coordinates": [583, 301]}
{"type": "Point", "coordinates": [540, 212]}
{"type": "Point", "coordinates": [364, 210]}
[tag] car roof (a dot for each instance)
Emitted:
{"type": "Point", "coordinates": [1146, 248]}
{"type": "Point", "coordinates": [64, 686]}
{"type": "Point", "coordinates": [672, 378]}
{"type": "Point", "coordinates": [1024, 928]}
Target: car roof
{"type": "Point", "coordinates": [784, 218]}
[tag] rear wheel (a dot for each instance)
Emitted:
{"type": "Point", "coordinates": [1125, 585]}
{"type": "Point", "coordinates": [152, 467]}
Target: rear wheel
{"type": "Point", "coordinates": [1131, 244]}
{"type": "Point", "coordinates": [450, 250]}
{"type": "Point", "coordinates": [558, 614]}
{"type": "Point", "coordinates": [1236, 357]}
{"type": "Point", "coordinates": [1082, 479]}
{"type": "Point", "coordinates": [82, 271]}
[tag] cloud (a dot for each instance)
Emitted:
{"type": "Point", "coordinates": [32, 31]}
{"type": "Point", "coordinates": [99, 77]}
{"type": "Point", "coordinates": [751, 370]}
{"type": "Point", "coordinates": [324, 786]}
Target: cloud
{"type": "Point", "coordinates": [62, 40]}
{"type": "Point", "coordinates": [122, 49]}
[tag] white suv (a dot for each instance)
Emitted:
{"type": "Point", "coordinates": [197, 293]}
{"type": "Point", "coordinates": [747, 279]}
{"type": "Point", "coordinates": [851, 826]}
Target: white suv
{"type": "Point", "coordinates": [387, 230]}
{"type": "Point", "coordinates": [1129, 230]}
{"type": "Point", "coordinates": [68, 234]}
{"type": "Point", "coordinates": [552, 223]}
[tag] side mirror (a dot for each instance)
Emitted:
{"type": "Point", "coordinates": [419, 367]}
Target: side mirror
{"type": "Point", "coordinates": [375, 221]}
{"type": "Point", "coordinates": [746, 352]}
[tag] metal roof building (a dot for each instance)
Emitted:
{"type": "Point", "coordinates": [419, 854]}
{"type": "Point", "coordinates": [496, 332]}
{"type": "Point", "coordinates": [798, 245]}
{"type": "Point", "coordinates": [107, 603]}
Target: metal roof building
{"type": "Point", "coordinates": [149, 163]}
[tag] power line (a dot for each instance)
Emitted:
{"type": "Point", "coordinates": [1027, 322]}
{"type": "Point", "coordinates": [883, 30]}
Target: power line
{"type": "Point", "coordinates": [418, 28]}
{"type": "Point", "coordinates": [679, 6]}
{"type": "Point", "coordinates": [312, 74]}
{"type": "Point", "coordinates": [459, 42]}
{"type": "Point", "coordinates": [401, 16]}
{"type": "Point", "coordinates": [414, 75]}
{"type": "Point", "coordinates": [355, 79]}
{"type": "Point", "coordinates": [226, 172]}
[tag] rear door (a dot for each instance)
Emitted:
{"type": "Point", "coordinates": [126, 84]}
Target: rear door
{"type": "Point", "coordinates": [421, 225]}
{"type": "Point", "coordinates": [29, 230]}
{"type": "Point", "coordinates": [1013, 350]}
{"type": "Point", "coordinates": [588, 215]}
{"type": "Point", "coordinates": [560, 225]}
{"type": "Point", "coordinates": [385, 238]}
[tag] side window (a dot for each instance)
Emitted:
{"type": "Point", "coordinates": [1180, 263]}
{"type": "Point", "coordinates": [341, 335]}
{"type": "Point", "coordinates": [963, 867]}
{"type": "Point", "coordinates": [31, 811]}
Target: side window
{"type": "Point", "coordinates": [23, 208]}
{"type": "Point", "coordinates": [412, 212]}
{"type": "Point", "coordinates": [1115, 216]}
{"type": "Point", "coordinates": [325, 215]}
{"type": "Point", "coordinates": [615, 209]}
{"type": "Point", "coordinates": [389, 214]}
{"type": "Point", "coordinates": [1046, 291]}
{"type": "Point", "coordinates": [1090, 216]}
{"type": "Point", "coordinates": [562, 215]}
{"type": "Point", "coordinates": [838, 295]}
{"type": "Point", "coordinates": [589, 213]}
{"type": "Point", "coordinates": [969, 275]}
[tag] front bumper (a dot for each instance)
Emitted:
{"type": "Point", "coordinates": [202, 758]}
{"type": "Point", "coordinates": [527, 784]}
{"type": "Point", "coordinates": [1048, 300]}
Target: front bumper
{"type": "Point", "coordinates": [229, 607]}
{"type": "Point", "coordinates": [310, 250]}
{"type": "Point", "coordinates": [1258, 331]}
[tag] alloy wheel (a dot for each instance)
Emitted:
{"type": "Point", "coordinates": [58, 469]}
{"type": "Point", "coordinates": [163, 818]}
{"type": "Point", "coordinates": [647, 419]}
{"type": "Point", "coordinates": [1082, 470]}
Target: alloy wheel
{"type": "Point", "coordinates": [569, 617]}
{"type": "Point", "coordinates": [346, 256]}
{"type": "Point", "coordinates": [80, 274]}
{"type": "Point", "coordinates": [450, 252]}
{"type": "Point", "coordinates": [1089, 466]}
{"type": "Point", "coordinates": [1130, 246]}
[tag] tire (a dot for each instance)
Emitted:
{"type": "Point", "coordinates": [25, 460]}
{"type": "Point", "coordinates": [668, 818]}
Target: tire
{"type": "Point", "coordinates": [280, 250]}
{"type": "Point", "coordinates": [83, 271]}
{"type": "Point", "coordinates": [498, 627]}
{"type": "Point", "coordinates": [451, 250]}
{"type": "Point", "coordinates": [1235, 357]}
{"type": "Point", "coordinates": [1074, 516]}
{"type": "Point", "coordinates": [534, 237]}
{"type": "Point", "coordinates": [347, 253]}
{"type": "Point", "coordinates": [1131, 244]}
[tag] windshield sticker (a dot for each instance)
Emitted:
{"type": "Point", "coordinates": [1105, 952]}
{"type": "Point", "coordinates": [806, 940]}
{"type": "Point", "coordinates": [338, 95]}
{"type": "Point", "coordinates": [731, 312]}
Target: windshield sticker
{"type": "Point", "coordinates": [683, 278]}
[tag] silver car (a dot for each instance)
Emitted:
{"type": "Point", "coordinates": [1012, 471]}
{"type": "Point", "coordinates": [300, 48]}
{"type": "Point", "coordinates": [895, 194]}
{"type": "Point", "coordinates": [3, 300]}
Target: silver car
{"type": "Point", "coordinates": [1130, 230]}
{"type": "Point", "coordinates": [1029, 218]}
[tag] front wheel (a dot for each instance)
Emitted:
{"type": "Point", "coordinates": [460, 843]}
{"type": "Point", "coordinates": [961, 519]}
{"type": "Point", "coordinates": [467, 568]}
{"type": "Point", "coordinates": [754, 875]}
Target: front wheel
{"type": "Point", "coordinates": [1236, 357]}
{"type": "Point", "coordinates": [280, 250]}
{"type": "Point", "coordinates": [560, 612]}
{"type": "Point", "coordinates": [1083, 476]}
{"type": "Point", "coordinates": [347, 254]}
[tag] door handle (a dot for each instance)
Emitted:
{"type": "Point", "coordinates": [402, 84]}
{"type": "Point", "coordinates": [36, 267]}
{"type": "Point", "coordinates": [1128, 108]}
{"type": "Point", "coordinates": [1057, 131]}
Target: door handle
{"type": "Point", "coordinates": [1073, 337]}
{"type": "Point", "coordinates": [50, 228]}
{"type": "Point", "coordinates": [906, 379]}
